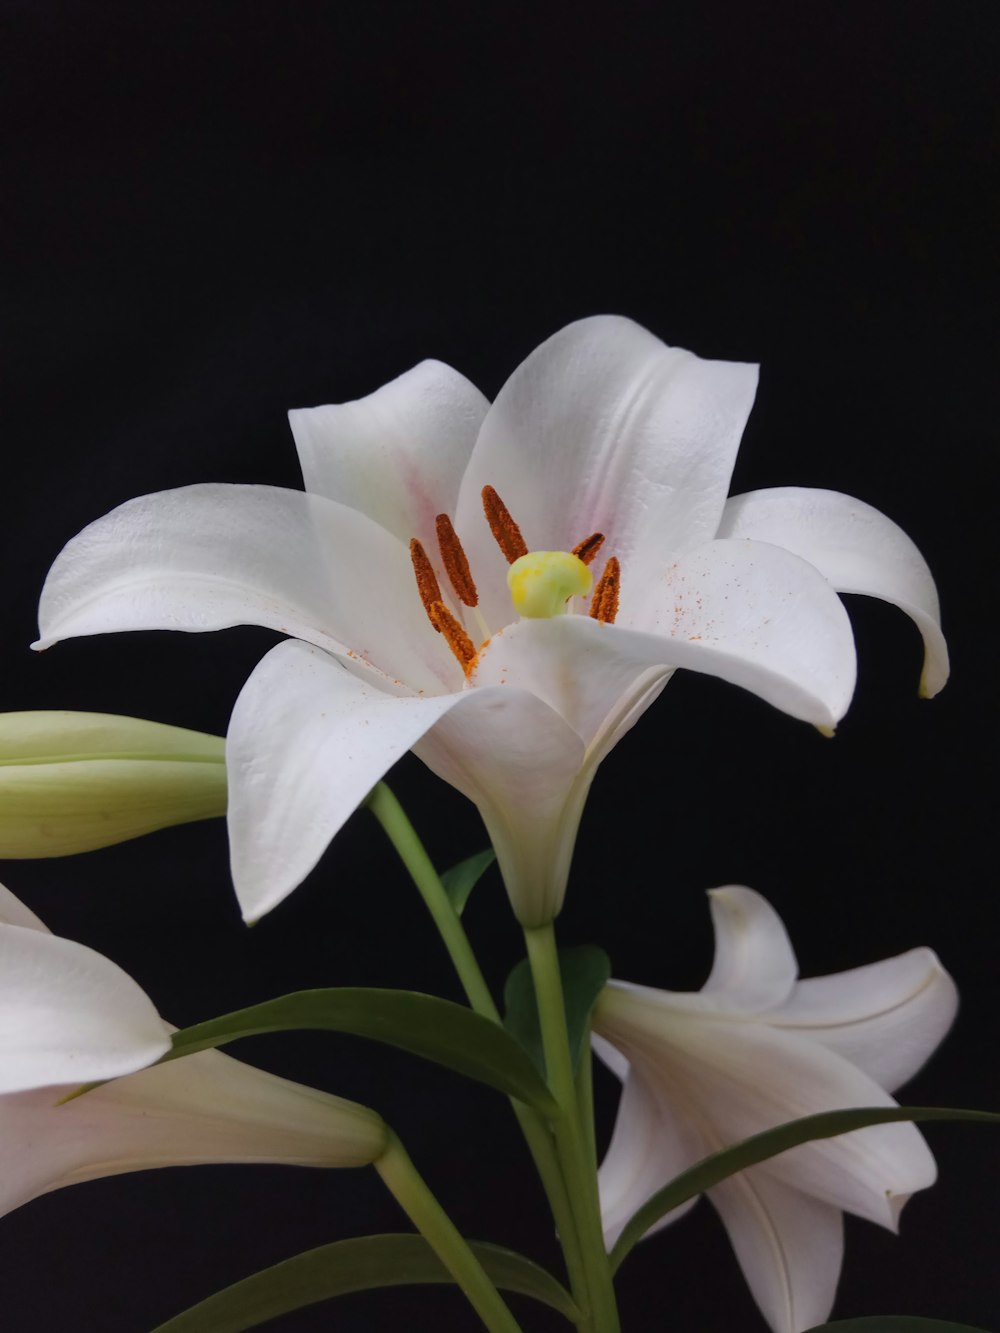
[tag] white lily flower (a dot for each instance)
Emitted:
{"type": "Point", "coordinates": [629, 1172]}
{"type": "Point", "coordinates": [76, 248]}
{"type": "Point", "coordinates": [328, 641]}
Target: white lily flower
{"type": "Point", "coordinates": [487, 663]}
{"type": "Point", "coordinates": [70, 782]}
{"type": "Point", "coordinates": [69, 1016]}
{"type": "Point", "coordinates": [756, 1048]}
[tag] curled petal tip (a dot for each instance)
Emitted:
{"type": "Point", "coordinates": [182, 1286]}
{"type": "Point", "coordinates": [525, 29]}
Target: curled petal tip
{"type": "Point", "coordinates": [828, 732]}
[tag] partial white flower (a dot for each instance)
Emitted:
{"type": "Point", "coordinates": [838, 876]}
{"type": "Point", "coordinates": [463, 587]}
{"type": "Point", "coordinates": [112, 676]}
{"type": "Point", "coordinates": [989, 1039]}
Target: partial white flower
{"type": "Point", "coordinates": [70, 782]}
{"type": "Point", "coordinates": [401, 572]}
{"type": "Point", "coordinates": [756, 1048]}
{"type": "Point", "coordinates": [69, 1016]}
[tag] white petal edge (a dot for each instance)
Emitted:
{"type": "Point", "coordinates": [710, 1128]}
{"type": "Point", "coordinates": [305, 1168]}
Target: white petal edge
{"type": "Point", "coordinates": [67, 1014]}
{"type": "Point", "coordinates": [398, 454]}
{"type": "Point", "coordinates": [754, 967]}
{"type": "Point", "coordinates": [211, 556]}
{"type": "Point", "coordinates": [605, 428]}
{"type": "Point", "coordinates": [14, 913]}
{"type": "Point", "coordinates": [789, 1246]}
{"type": "Point", "coordinates": [887, 1017]}
{"type": "Point", "coordinates": [853, 545]}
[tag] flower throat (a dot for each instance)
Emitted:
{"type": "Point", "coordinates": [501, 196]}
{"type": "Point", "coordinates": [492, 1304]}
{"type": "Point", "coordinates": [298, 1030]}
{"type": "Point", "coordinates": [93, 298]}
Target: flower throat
{"type": "Point", "coordinates": [540, 582]}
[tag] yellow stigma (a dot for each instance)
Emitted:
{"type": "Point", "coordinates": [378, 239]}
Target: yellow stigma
{"type": "Point", "coordinates": [541, 583]}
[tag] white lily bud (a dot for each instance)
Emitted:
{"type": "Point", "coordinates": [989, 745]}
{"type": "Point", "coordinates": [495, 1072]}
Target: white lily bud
{"type": "Point", "coordinates": [70, 782]}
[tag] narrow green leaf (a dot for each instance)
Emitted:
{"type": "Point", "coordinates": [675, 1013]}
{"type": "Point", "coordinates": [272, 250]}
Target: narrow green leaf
{"type": "Point", "coordinates": [460, 880]}
{"type": "Point", "coordinates": [584, 970]}
{"type": "Point", "coordinates": [710, 1170]}
{"type": "Point", "coordinates": [439, 1030]}
{"type": "Point", "coordinates": [359, 1264]}
{"type": "Point", "coordinates": [894, 1323]}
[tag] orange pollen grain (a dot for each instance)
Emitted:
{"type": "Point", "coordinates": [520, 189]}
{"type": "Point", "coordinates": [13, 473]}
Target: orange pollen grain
{"type": "Point", "coordinates": [455, 562]}
{"type": "Point", "coordinates": [458, 641]}
{"type": "Point", "coordinates": [427, 584]}
{"type": "Point", "coordinates": [604, 603]}
{"type": "Point", "coordinates": [504, 529]}
{"type": "Point", "coordinates": [588, 548]}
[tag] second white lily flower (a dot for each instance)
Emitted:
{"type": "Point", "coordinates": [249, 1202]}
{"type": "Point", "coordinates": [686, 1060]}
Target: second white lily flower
{"type": "Point", "coordinates": [754, 1048]}
{"type": "Point", "coordinates": [604, 439]}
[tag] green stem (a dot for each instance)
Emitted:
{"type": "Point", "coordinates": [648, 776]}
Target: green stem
{"type": "Point", "coordinates": [437, 1228]}
{"type": "Point", "coordinates": [404, 838]}
{"type": "Point", "coordinates": [572, 1145]}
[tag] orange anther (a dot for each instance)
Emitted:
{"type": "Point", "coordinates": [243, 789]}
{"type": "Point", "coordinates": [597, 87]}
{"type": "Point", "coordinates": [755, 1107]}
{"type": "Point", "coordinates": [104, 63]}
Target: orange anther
{"type": "Point", "coordinates": [604, 603]}
{"type": "Point", "coordinates": [427, 584]}
{"type": "Point", "coordinates": [504, 529]}
{"type": "Point", "coordinates": [455, 562]}
{"type": "Point", "coordinates": [588, 548]}
{"type": "Point", "coordinates": [458, 641]}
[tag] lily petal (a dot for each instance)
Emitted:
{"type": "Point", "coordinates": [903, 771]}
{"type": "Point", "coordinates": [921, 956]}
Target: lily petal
{"type": "Point", "coordinates": [211, 556]}
{"type": "Point", "coordinates": [853, 545]}
{"type": "Point", "coordinates": [307, 742]}
{"type": "Point", "coordinates": [789, 1246]}
{"type": "Point", "coordinates": [754, 967]}
{"type": "Point", "coordinates": [603, 428]}
{"type": "Point", "coordinates": [397, 455]}
{"type": "Point", "coordinates": [200, 1109]}
{"type": "Point", "coordinates": [745, 612]}
{"type": "Point", "coordinates": [887, 1018]}
{"type": "Point", "coordinates": [571, 662]}
{"type": "Point", "coordinates": [648, 1148]}
{"type": "Point", "coordinates": [67, 1014]}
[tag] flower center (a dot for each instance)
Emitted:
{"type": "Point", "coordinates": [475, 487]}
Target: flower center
{"type": "Point", "coordinates": [540, 582]}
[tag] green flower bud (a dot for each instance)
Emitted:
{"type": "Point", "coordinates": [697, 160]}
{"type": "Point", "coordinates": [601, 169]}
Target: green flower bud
{"type": "Point", "coordinates": [70, 782]}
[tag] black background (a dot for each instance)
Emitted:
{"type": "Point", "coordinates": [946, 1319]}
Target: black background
{"type": "Point", "coordinates": [216, 212]}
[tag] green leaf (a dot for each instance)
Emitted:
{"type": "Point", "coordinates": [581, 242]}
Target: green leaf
{"type": "Point", "coordinates": [460, 880]}
{"type": "Point", "coordinates": [710, 1170]}
{"type": "Point", "coordinates": [894, 1323]}
{"type": "Point", "coordinates": [584, 970]}
{"type": "Point", "coordinates": [358, 1264]}
{"type": "Point", "coordinates": [447, 1033]}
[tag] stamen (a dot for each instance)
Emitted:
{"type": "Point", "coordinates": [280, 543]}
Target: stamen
{"type": "Point", "coordinates": [589, 547]}
{"type": "Point", "coordinates": [455, 562]}
{"type": "Point", "coordinates": [604, 603]}
{"type": "Point", "coordinates": [504, 529]}
{"type": "Point", "coordinates": [458, 641]}
{"type": "Point", "coordinates": [427, 584]}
